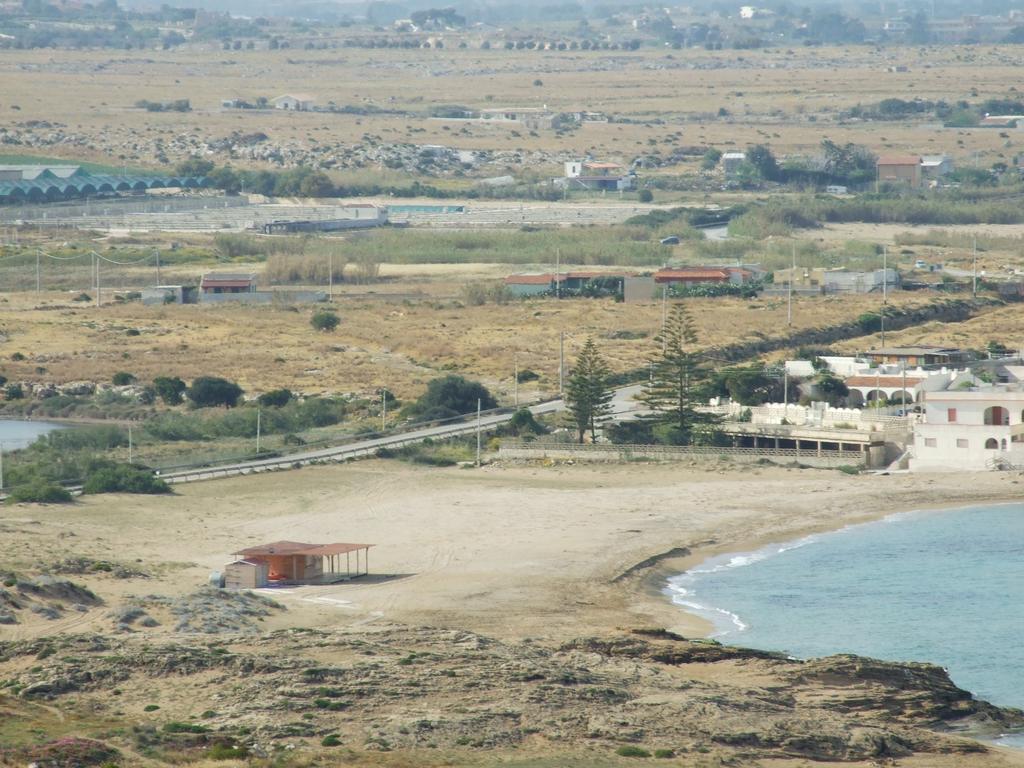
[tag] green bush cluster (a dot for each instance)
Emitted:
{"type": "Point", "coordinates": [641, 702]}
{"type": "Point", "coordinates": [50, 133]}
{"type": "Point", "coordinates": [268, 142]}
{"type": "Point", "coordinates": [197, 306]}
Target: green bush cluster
{"type": "Point", "coordinates": [123, 478]}
{"type": "Point", "coordinates": [38, 490]}
{"type": "Point", "coordinates": [630, 750]}
{"type": "Point", "coordinates": [450, 396]}
{"type": "Point", "coordinates": [175, 726]}
{"type": "Point", "coordinates": [227, 752]}
{"type": "Point", "coordinates": [324, 320]}
{"type": "Point", "coordinates": [293, 416]}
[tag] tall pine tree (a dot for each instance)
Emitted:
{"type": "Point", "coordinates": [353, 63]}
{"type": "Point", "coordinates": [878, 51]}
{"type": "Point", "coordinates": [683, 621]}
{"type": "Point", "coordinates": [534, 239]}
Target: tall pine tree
{"type": "Point", "coordinates": [587, 393]}
{"type": "Point", "coordinates": [676, 375]}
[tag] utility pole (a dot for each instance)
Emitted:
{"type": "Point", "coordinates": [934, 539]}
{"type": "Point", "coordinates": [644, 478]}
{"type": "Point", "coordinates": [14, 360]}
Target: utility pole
{"type": "Point", "coordinates": [558, 273]}
{"type": "Point", "coordinates": [885, 289]}
{"type": "Point", "coordinates": [383, 409]}
{"type": "Point", "coordinates": [785, 386]}
{"type": "Point", "coordinates": [478, 431]}
{"type": "Point", "coordinates": [38, 255]}
{"type": "Point", "coordinates": [974, 280]}
{"type": "Point", "coordinates": [129, 443]}
{"type": "Point", "coordinates": [330, 276]}
{"type": "Point", "coordinates": [1, 466]}
{"type": "Point", "coordinates": [792, 277]}
{"type": "Point", "coordinates": [258, 425]}
{"type": "Point", "coordinates": [96, 261]}
{"type": "Point", "coordinates": [515, 379]}
{"type": "Point", "coordinates": [158, 281]}
{"type": "Point", "coordinates": [561, 362]}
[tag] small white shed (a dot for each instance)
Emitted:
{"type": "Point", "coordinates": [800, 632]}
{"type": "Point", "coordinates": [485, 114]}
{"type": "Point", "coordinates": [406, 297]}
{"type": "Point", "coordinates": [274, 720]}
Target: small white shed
{"type": "Point", "coordinates": [246, 574]}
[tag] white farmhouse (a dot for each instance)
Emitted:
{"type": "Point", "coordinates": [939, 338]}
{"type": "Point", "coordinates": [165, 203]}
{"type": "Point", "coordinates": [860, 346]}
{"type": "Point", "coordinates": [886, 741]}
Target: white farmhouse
{"type": "Point", "coordinates": [970, 428]}
{"type": "Point", "coordinates": [294, 102]}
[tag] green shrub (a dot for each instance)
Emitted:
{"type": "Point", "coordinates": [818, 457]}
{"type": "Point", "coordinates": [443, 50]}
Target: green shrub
{"type": "Point", "coordinates": [176, 426]}
{"type": "Point", "coordinates": [275, 398]}
{"type": "Point", "coordinates": [870, 322]}
{"type": "Point", "coordinates": [209, 391]}
{"type": "Point", "coordinates": [169, 388]}
{"type": "Point", "coordinates": [39, 491]}
{"type": "Point", "coordinates": [324, 320]}
{"type": "Point", "coordinates": [628, 750]}
{"type": "Point", "coordinates": [123, 478]}
{"type": "Point", "coordinates": [227, 752]}
{"type": "Point", "coordinates": [451, 396]}
{"type": "Point", "coordinates": [122, 379]}
{"type": "Point", "coordinates": [94, 437]}
{"type": "Point", "coordinates": [14, 392]}
{"type": "Point", "coordinates": [522, 423]}
{"type": "Point", "coordinates": [645, 196]}
{"type": "Point", "coordinates": [331, 706]}
{"type": "Point", "coordinates": [331, 741]}
{"type": "Point", "coordinates": [151, 708]}
{"type": "Point", "coordinates": [178, 727]}
{"type": "Point", "coordinates": [664, 754]}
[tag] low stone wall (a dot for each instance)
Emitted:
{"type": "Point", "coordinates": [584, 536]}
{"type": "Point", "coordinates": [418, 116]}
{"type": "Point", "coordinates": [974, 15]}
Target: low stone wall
{"type": "Point", "coordinates": [514, 449]}
{"type": "Point", "coordinates": [263, 297]}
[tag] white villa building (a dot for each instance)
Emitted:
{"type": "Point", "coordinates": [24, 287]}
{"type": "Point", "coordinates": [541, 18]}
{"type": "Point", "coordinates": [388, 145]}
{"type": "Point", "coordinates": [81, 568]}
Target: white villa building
{"type": "Point", "coordinates": [971, 429]}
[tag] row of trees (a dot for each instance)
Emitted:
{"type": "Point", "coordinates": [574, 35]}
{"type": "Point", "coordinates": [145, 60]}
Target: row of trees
{"type": "Point", "coordinates": [847, 164]}
{"type": "Point", "coordinates": [678, 379]}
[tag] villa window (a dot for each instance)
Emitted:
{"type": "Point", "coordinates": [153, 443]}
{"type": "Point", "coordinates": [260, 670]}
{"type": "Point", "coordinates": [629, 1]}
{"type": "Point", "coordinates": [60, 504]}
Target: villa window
{"type": "Point", "coordinates": [991, 444]}
{"type": "Point", "coordinates": [930, 442]}
{"type": "Point", "coordinates": [997, 416]}
{"type": "Point", "coordinates": [962, 442]}
{"type": "Point", "coordinates": [951, 415]}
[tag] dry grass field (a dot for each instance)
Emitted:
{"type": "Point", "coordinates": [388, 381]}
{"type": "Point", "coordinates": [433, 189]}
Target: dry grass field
{"type": "Point", "coordinates": [401, 345]}
{"type": "Point", "coordinates": [788, 98]}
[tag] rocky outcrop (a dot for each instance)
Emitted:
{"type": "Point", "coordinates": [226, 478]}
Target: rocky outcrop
{"type": "Point", "coordinates": [406, 689]}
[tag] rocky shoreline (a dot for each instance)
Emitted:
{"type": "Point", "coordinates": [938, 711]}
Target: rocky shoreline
{"type": "Point", "coordinates": [408, 688]}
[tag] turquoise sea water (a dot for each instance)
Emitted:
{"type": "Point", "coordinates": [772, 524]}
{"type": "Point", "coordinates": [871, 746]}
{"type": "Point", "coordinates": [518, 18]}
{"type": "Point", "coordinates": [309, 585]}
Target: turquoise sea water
{"type": "Point", "coordinates": [945, 587]}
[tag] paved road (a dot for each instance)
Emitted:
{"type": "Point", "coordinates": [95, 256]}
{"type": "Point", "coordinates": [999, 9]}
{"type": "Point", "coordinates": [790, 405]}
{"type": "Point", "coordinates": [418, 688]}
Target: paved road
{"type": "Point", "coordinates": [623, 406]}
{"type": "Point", "coordinates": [352, 450]}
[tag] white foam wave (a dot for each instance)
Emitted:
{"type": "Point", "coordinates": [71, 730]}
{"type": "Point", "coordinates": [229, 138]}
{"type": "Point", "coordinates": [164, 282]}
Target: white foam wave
{"type": "Point", "coordinates": [682, 589]}
{"type": "Point", "coordinates": [713, 613]}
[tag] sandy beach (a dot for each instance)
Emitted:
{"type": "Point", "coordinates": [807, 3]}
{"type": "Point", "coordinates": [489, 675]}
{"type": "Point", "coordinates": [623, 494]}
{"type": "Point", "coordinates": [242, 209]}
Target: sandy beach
{"type": "Point", "coordinates": [512, 551]}
{"type": "Point", "coordinates": [521, 562]}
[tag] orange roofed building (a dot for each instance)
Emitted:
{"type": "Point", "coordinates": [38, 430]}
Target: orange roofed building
{"type": "Point", "coordinates": [293, 562]}
{"type": "Point", "coordinates": [899, 169]}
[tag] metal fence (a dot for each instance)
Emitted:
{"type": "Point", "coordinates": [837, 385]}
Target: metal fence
{"type": "Point", "coordinates": [52, 214]}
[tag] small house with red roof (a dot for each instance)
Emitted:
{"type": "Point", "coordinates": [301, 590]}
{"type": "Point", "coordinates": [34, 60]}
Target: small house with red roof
{"type": "Point", "coordinates": [224, 282]}
{"type": "Point", "coordinates": [899, 169]}
{"type": "Point", "coordinates": [694, 275]}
